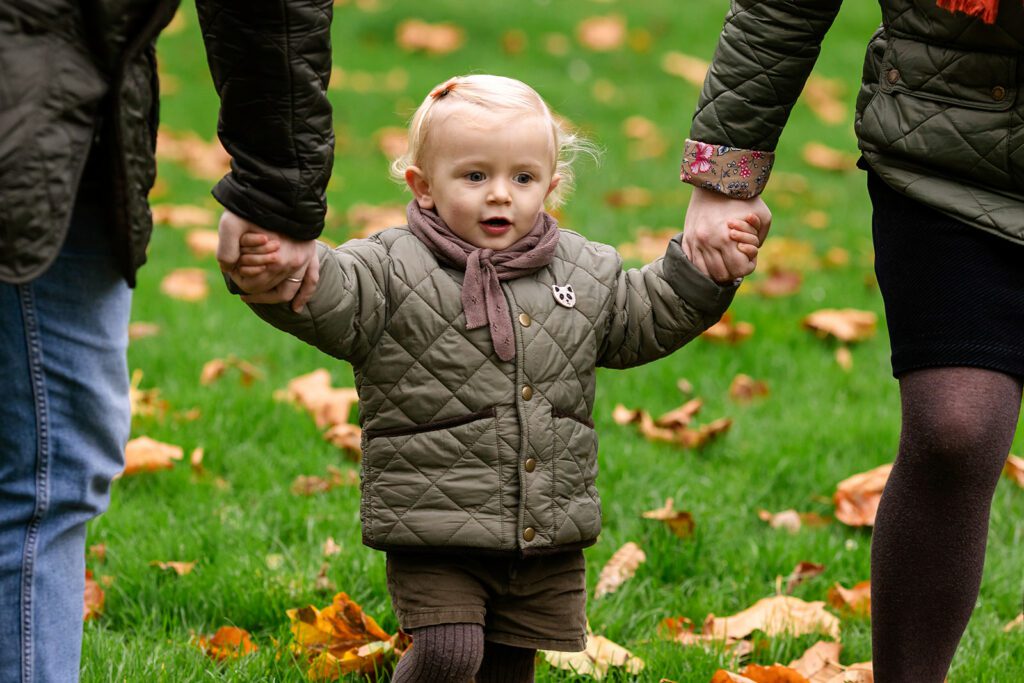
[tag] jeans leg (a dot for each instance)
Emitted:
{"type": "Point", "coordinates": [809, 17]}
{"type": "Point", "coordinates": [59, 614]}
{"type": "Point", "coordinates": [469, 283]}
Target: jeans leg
{"type": "Point", "coordinates": [65, 419]}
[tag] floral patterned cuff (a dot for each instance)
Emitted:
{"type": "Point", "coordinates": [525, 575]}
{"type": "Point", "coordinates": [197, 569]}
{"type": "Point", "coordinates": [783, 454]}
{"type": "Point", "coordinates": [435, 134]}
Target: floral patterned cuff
{"type": "Point", "coordinates": [739, 173]}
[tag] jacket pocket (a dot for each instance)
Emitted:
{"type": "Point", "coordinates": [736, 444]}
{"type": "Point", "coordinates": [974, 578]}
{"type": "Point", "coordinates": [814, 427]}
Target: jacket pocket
{"type": "Point", "coordinates": [577, 505]}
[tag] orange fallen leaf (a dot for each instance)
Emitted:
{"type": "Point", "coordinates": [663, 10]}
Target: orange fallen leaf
{"type": "Point", "coordinates": [701, 436]}
{"type": "Point", "coordinates": [648, 246]}
{"type": "Point", "coordinates": [801, 572]}
{"type": "Point", "coordinates": [624, 416]}
{"type": "Point", "coordinates": [416, 35]}
{"type": "Point", "coordinates": [856, 600]}
{"type": "Point", "coordinates": [776, 673]}
{"type": "Point", "coordinates": [629, 197]}
{"type": "Point", "coordinates": [836, 257]}
{"type": "Point", "coordinates": [791, 520]}
{"type": "Point", "coordinates": [145, 402]}
{"type": "Point", "coordinates": [195, 460]}
{"type": "Point", "coordinates": [856, 498]}
{"type": "Point", "coordinates": [141, 330]}
{"type": "Point", "coordinates": [844, 358]}
{"type": "Point", "coordinates": [745, 389]}
{"type": "Point", "coordinates": [819, 662]}
{"type": "Point", "coordinates": [215, 368]}
{"type": "Point", "coordinates": [1014, 469]}
{"type": "Point", "coordinates": [202, 243]}
{"type": "Point", "coordinates": [619, 569]}
{"type": "Point", "coordinates": [186, 284]}
{"type": "Point", "coordinates": [599, 656]}
{"type": "Point", "coordinates": [602, 34]}
{"type": "Point", "coordinates": [777, 615]}
{"type": "Point", "coordinates": [392, 141]}
{"type": "Point", "coordinates": [816, 219]}
{"type": "Point", "coordinates": [646, 139]}
{"type": "Point", "coordinates": [693, 70]}
{"type": "Point", "coordinates": [513, 42]}
{"type": "Point", "coordinates": [330, 547]}
{"type": "Point", "coordinates": [310, 485]}
{"type": "Point", "coordinates": [143, 454]}
{"type": "Point", "coordinates": [861, 672]}
{"type": "Point", "coordinates": [212, 371]}
{"type": "Point", "coordinates": [94, 598]}
{"type": "Point", "coordinates": [828, 159]}
{"type": "Point", "coordinates": [679, 522]}
{"type": "Point", "coordinates": [823, 95]}
{"type": "Point", "coordinates": [787, 254]}
{"type": "Point", "coordinates": [1015, 624]}
{"type": "Point", "coordinates": [183, 216]}
{"type": "Point", "coordinates": [846, 325]}
{"type": "Point", "coordinates": [779, 283]}
{"type": "Point", "coordinates": [681, 416]}
{"type": "Point", "coordinates": [229, 642]}
{"type": "Point", "coordinates": [348, 438]}
{"type": "Point", "coordinates": [179, 568]}
{"type": "Point", "coordinates": [202, 159]}
{"type": "Point", "coordinates": [327, 405]}
{"type": "Point", "coordinates": [97, 553]}
{"type": "Point", "coordinates": [727, 332]}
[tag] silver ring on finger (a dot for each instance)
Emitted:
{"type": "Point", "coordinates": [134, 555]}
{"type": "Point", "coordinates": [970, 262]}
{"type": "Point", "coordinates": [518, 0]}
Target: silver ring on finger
{"type": "Point", "coordinates": [294, 279]}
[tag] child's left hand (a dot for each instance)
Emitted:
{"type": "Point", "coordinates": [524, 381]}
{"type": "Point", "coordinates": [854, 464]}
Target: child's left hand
{"type": "Point", "coordinates": [718, 244]}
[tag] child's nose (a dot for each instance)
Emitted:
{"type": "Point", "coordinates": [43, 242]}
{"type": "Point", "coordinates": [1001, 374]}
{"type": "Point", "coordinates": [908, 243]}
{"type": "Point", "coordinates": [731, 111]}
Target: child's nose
{"type": "Point", "coordinates": [499, 193]}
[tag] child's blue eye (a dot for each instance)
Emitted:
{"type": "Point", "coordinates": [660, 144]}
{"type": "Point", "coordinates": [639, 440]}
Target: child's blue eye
{"type": "Point", "coordinates": [523, 178]}
{"type": "Point", "coordinates": [475, 176]}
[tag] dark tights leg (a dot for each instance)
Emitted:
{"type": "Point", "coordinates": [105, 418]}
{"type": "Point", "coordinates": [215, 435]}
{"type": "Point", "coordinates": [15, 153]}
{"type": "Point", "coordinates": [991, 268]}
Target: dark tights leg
{"type": "Point", "coordinates": [506, 664]}
{"type": "Point", "coordinates": [929, 541]}
{"type": "Point", "coordinates": [448, 653]}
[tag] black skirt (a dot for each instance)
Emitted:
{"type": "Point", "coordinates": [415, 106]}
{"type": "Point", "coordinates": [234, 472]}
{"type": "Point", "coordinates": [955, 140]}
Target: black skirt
{"type": "Point", "coordinates": [954, 294]}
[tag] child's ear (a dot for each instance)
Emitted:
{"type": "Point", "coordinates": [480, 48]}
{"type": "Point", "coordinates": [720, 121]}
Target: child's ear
{"type": "Point", "coordinates": [416, 179]}
{"type": "Point", "coordinates": [555, 179]}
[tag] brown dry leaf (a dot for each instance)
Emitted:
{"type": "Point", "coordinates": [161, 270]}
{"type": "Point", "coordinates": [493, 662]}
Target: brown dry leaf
{"type": "Point", "coordinates": [844, 358]}
{"type": "Point", "coordinates": [323, 583]}
{"type": "Point", "coordinates": [817, 219]}
{"type": "Point", "coordinates": [723, 676]}
{"type": "Point", "coordinates": [600, 655]}
{"type": "Point", "coordinates": [97, 553]}
{"type": "Point", "coordinates": [856, 498]}
{"type": "Point", "coordinates": [691, 69]}
{"type": "Point", "coordinates": [823, 97]}
{"type": "Point", "coordinates": [202, 243]}
{"type": "Point", "coordinates": [195, 460]}
{"type": "Point", "coordinates": [745, 389]}
{"type": "Point", "coordinates": [143, 454]}
{"type": "Point", "coordinates": [340, 477]}
{"type": "Point", "coordinates": [649, 245]}
{"type": "Point", "coordinates": [327, 405]}
{"type": "Point", "coordinates": [777, 615]}
{"type": "Point", "coordinates": [94, 598]}
{"type": "Point", "coordinates": [787, 254]}
{"type": "Point", "coordinates": [791, 520]}
{"type": "Point", "coordinates": [145, 402]}
{"type": "Point", "coordinates": [602, 34]}
{"type": "Point", "coordinates": [604, 91]}
{"type": "Point", "coordinates": [1015, 624]}
{"type": "Point", "coordinates": [646, 140]}
{"type": "Point", "coordinates": [179, 568]}
{"type": "Point", "coordinates": [861, 672]}
{"type": "Point", "coordinates": [186, 284]}
{"type": "Point", "coordinates": [728, 332]}
{"type": "Point", "coordinates": [681, 416]}
{"type": "Point", "coordinates": [348, 438]}
{"type": "Point", "coordinates": [846, 324]}
{"type": "Point", "coordinates": [183, 216]}
{"type": "Point", "coordinates": [703, 435]}
{"type": "Point", "coordinates": [1014, 469]}
{"type": "Point", "coordinates": [310, 485]}
{"type": "Point", "coordinates": [779, 283]}
{"type": "Point", "coordinates": [229, 642]}
{"type": "Point", "coordinates": [679, 522]}
{"type": "Point", "coordinates": [819, 662]}
{"type": "Point", "coordinates": [856, 600]}
{"type": "Point", "coordinates": [619, 569]}
{"type": "Point", "coordinates": [801, 572]}
{"type": "Point", "coordinates": [367, 219]}
{"type": "Point", "coordinates": [330, 547]}
{"type": "Point", "coordinates": [836, 257]}
{"type": "Point", "coordinates": [828, 159]}
{"type": "Point", "coordinates": [392, 141]}
{"type": "Point", "coordinates": [141, 330]}
{"type": "Point", "coordinates": [627, 197]}
{"type": "Point", "coordinates": [513, 42]}
{"type": "Point", "coordinates": [557, 44]}
{"type": "Point", "coordinates": [624, 416]}
{"type": "Point", "coordinates": [202, 159]}
{"type": "Point", "coordinates": [212, 371]}
{"type": "Point", "coordinates": [416, 35]}
{"type": "Point", "coordinates": [776, 673]}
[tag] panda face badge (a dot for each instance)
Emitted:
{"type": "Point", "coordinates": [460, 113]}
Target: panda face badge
{"type": "Point", "coordinates": [564, 295]}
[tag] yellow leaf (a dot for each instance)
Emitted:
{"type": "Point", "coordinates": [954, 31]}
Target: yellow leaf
{"type": "Point", "coordinates": [691, 69]}
{"type": "Point", "coordinates": [619, 569]}
{"type": "Point", "coordinates": [602, 34]}
{"type": "Point", "coordinates": [229, 642]}
{"type": "Point", "coordinates": [145, 455]}
{"type": "Point", "coordinates": [415, 35]}
{"type": "Point", "coordinates": [679, 522]}
{"type": "Point", "coordinates": [819, 662]}
{"type": "Point", "coordinates": [186, 284]}
{"type": "Point", "coordinates": [1014, 469]}
{"type": "Point", "coordinates": [856, 498]}
{"type": "Point", "coordinates": [203, 243]}
{"type": "Point", "coordinates": [183, 216]}
{"type": "Point", "coordinates": [777, 615]}
{"type": "Point", "coordinates": [846, 325]}
{"type": "Point", "coordinates": [856, 600]}
{"type": "Point", "coordinates": [599, 656]}
{"type": "Point", "coordinates": [728, 332]}
{"type": "Point", "coordinates": [828, 159]}
{"type": "Point", "coordinates": [179, 568]}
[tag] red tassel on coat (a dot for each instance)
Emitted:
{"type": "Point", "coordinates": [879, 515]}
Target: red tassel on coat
{"type": "Point", "coordinates": [986, 9]}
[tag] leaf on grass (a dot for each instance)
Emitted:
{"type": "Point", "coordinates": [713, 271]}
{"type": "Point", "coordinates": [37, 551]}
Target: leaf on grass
{"type": "Point", "coordinates": [599, 656]}
{"type": "Point", "coordinates": [416, 35]}
{"type": "Point", "coordinates": [183, 216]}
{"type": "Point", "coordinates": [229, 642]}
{"type": "Point", "coordinates": [141, 330]}
{"type": "Point", "coordinates": [861, 672]}
{"type": "Point", "coordinates": [836, 257]}
{"type": "Point", "coordinates": [819, 662]}
{"type": "Point", "coordinates": [816, 219]}
{"type": "Point", "coordinates": [602, 34]}
{"type": "Point", "coordinates": [755, 673]}
{"type": "Point", "coordinates": [679, 522]}
{"type": "Point", "coordinates": [745, 389]}
{"type": "Point", "coordinates": [646, 139]}
{"type": "Point", "coordinates": [145, 402]}
{"type": "Point", "coordinates": [215, 368]}
{"type": "Point", "coordinates": [630, 197]}
{"type": "Point", "coordinates": [1014, 469]}
{"type": "Point", "coordinates": [844, 358]}
{"type": "Point", "coordinates": [728, 332]}
{"type": "Point", "coordinates": [703, 435]}
{"type": "Point", "coordinates": [179, 568]}
{"type": "Point", "coordinates": [1016, 624]}
{"type": "Point", "coordinates": [513, 42]}
{"type": "Point", "coordinates": [202, 243]}
{"type": "Point", "coordinates": [330, 547]}
{"type": "Point", "coordinates": [856, 600]}
{"type": "Point", "coordinates": [828, 159]}
{"type": "Point", "coordinates": [195, 460]}
{"type": "Point", "coordinates": [143, 454]}
{"type": "Point", "coordinates": [856, 498]}
{"type": "Point", "coordinates": [327, 405]}
{"type": "Point", "coordinates": [823, 96]}
{"type": "Point", "coordinates": [787, 254]}
{"type": "Point", "coordinates": [681, 416]}
{"type": "Point", "coordinates": [186, 284]}
{"type": "Point", "coordinates": [672, 426]}
{"type": "Point", "coordinates": [94, 598]}
{"type": "Point", "coordinates": [777, 615]}
{"type": "Point", "coordinates": [791, 520]}
{"type": "Point", "coordinates": [619, 569]}
{"type": "Point", "coordinates": [311, 485]}
{"type": "Point", "coordinates": [846, 324]}
{"type": "Point", "coordinates": [202, 159]}
{"type": "Point", "coordinates": [97, 553]}
{"type": "Point", "coordinates": [801, 572]}
{"type": "Point", "coordinates": [348, 438]}
{"type": "Point", "coordinates": [779, 283]}
{"type": "Point", "coordinates": [392, 141]}
{"type": "Point", "coordinates": [556, 44]}
{"type": "Point", "coordinates": [649, 245]}
{"type": "Point", "coordinates": [693, 70]}
{"type": "Point", "coordinates": [323, 583]}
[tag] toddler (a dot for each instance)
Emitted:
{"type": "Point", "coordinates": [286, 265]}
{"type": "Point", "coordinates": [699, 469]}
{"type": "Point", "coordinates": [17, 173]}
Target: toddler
{"type": "Point", "coordinates": [474, 333]}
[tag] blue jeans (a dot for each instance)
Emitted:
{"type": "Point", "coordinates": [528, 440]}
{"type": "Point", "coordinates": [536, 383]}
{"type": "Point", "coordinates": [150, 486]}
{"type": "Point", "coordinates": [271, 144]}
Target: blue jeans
{"type": "Point", "coordinates": [64, 421]}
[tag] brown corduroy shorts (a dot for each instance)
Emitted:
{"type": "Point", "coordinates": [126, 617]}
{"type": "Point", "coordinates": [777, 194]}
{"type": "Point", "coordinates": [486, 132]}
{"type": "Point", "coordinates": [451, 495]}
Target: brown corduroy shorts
{"type": "Point", "coordinates": [536, 603]}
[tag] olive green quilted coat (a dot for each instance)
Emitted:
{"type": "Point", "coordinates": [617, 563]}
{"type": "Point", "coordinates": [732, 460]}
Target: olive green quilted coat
{"type": "Point", "coordinates": [462, 450]}
{"type": "Point", "coordinates": [940, 113]}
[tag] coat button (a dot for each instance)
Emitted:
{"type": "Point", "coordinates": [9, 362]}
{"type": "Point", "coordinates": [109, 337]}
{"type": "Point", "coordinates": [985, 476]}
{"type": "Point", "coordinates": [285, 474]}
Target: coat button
{"type": "Point", "coordinates": [530, 465]}
{"type": "Point", "coordinates": [528, 534]}
{"type": "Point", "coordinates": [524, 320]}
{"type": "Point", "coordinates": [999, 93]}
{"type": "Point", "coordinates": [893, 75]}
{"type": "Point", "coordinates": [527, 393]}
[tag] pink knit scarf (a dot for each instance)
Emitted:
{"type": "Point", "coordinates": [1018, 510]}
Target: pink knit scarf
{"type": "Point", "coordinates": [483, 302]}
{"type": "Point", "coordinates": [986, 9]}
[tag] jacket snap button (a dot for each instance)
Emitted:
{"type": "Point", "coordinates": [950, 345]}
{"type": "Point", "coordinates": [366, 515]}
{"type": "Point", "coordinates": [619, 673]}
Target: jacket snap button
{"type": "Point", "coordinates": [527, 393]}
{"type": "Point", "coordinates": [524, 320]}
{"type": "Point", "coordinates": [528, 534]}
{"type": "Point", "coordinates": [530, 465]}
{"type": "Point", "coordinates": [998, 93]}
{"type": "Point", "coordinates": [893, 75]}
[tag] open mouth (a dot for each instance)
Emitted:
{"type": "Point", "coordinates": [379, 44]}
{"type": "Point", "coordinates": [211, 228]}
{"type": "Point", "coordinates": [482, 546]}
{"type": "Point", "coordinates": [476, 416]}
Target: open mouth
{"type": "Point", "coordinates": [496, 226]}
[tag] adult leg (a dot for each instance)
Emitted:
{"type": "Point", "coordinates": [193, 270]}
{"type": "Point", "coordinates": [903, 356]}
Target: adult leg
{"type": "Point", "coordinates": [65, 418]}
{"type": "Point", "coordinates": [928, 548]}
{"type": "Point", "coordinates": [506, 664]}
{"type": "Point", "coordinates": [447, 653]}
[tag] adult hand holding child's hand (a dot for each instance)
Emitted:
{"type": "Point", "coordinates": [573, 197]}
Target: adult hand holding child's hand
{"type": "Point", "coordinates": [717, 233]}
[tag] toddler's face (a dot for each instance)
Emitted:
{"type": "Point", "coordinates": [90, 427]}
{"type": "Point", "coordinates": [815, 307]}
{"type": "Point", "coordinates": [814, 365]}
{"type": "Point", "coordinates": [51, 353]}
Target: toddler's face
{"type": "Point", "coordinates": [486, 175]}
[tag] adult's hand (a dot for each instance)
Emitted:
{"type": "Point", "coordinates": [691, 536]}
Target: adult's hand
{"type": "Point", "coordinates": [706, 240]}
{"type": "Point", "coordinates": [288, 271]}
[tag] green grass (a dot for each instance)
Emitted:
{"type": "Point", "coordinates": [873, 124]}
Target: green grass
{"type": "Point", "coordinates": [819, 425]}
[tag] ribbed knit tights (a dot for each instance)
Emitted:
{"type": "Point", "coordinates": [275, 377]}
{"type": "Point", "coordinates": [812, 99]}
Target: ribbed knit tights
{"type": "Point", "coordinates": [928, 547]}
{"type": "Point", "coordinates": [455, 653]}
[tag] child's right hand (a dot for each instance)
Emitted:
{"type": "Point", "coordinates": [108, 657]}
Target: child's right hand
{"type": "Point", "coordinates": [718, 244]}
{"type": "Point", "coordinates": [256, 252]}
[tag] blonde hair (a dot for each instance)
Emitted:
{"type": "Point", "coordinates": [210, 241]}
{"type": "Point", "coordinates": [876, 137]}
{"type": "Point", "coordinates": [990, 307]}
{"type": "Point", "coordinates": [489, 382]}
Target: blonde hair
{"type": "Point", "coordinates": [500, 94]}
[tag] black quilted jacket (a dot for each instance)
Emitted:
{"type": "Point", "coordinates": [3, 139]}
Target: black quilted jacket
{"type": "Point", "coordinates": [78, 78]}
{"type": "Point", "coordinates": [940, 113]}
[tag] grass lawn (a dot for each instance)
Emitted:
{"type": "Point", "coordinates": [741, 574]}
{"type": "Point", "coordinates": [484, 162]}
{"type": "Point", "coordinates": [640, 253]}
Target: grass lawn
{"type": "Point", "coordinates": [819, 425]}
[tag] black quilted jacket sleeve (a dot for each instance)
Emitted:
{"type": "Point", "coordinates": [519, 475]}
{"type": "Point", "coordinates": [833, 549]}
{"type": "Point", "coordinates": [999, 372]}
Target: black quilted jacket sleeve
{"type": "Point", "coordinates": [271, 61]}
{"type": "Point", "coordinates": [765, 54]}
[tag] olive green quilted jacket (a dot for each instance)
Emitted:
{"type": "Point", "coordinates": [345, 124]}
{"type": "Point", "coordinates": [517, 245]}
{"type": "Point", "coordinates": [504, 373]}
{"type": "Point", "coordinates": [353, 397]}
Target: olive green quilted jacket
{"type": "Point", "coordinates": [462, 450]}
{"type": "Point", "coordinates": [940, 113]}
